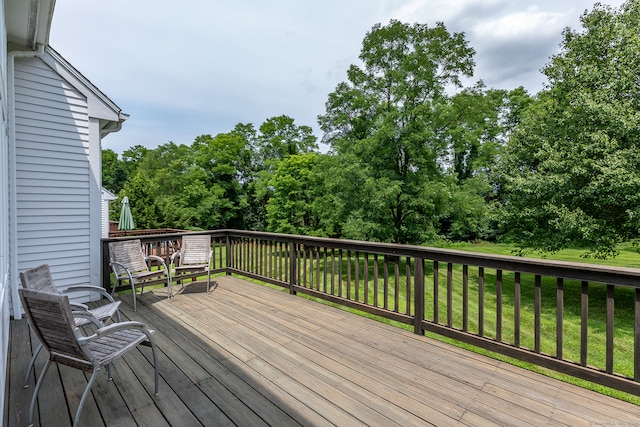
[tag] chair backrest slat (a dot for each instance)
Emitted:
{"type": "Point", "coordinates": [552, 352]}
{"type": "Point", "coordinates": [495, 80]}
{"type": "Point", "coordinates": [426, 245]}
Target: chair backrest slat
{"type": "Point", "coordinates": [128, 253]}
{"type": "Point", "coordinates": [195, 249]}
{"type": "Point", "coordinates": [50, 317]}
{"type": "Point", "coordinates": [38, 279]}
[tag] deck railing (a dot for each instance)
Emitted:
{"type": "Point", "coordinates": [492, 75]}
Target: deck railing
{"type": "Point", "coordinates": [523, 308]}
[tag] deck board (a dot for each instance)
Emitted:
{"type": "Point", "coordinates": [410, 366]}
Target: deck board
{"type": "Point", "coordinates": [246, 354]}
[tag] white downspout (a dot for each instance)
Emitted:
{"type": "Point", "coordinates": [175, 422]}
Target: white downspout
{"type": "Point", "coordinates": [13, 208]}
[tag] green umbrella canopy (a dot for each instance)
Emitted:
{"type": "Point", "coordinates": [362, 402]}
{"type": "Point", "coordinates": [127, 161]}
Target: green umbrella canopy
{"type": "Point", "coordinates": [126, 219]}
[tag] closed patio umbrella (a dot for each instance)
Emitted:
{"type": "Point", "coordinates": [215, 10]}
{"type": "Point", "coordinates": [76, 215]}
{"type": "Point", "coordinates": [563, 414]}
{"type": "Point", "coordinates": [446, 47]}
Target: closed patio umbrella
{"type": "Point", "coordinates": [126, 219]}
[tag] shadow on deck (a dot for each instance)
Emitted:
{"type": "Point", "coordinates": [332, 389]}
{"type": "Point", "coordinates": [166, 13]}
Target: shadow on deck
{"type": "Point", "coordinates": [251, 355]}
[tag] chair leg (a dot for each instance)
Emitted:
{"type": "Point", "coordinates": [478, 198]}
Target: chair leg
{"type": "Point", "coordinates": [133, 291]}
{"type": "Point", "coordinates": [155, 364]}
{"type": "Point", "coordinates": [31, 364]}
{"type": "Point", "coordinates": [84, 396]}
{"type": "Point", "coordinates": [34, 398]}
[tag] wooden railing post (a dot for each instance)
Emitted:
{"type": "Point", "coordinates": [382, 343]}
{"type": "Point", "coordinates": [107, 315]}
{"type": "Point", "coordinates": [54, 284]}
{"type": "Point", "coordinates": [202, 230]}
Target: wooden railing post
{"type": "Point", "coordinates": [106, 270]}
{"type": "Point", "coordinates": [418, 296]}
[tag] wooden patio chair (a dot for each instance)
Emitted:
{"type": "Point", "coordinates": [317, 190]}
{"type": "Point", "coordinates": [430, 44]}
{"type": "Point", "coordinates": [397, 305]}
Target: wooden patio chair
{"type": "Point", "coordinates": [39, 279]}
{"type": "Point", "coordinates": [130, 264]}
{"type": "Point", "coordinates": [51, 319]}
{"type": "Point", "coordinates": [193, 257]}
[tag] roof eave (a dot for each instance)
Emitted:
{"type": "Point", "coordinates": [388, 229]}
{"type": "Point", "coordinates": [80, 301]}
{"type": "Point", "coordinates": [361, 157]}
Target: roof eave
{"type": "Point", "coordinates": [28, 22]}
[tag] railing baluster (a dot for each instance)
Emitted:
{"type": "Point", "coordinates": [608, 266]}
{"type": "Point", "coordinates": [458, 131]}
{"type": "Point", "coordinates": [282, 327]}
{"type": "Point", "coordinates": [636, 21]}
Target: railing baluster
{"type": "Point", "coordinates": [610, 318]}
{"type": "Point", "coordinates": [436, 287]}
{"type": "Point", "coordinates": [264, 259]}
{"type": "Point", "coordinates": [419, 296]}
{"type": "Point", "coordinates": [269, 259]}
{"type": "Point", "coordinates": [255, 259]}
{"type": "Point", "coordinates": [357, 276]}
{"type": "Point", "coordinates": [340, 268]}
{"type": "Point", "coordinates": [481, 301]}
{"type": "Point", "coordinates": [584, 322]}
{"type": "Point", "coordinates": [324, 264]}
{"type": "Point", "coordinates": [365, 279]}
{"type": "Point", "coordinates": [308, 266]}
{"type": "Point", "coordinates": [396, 285]}
{"type": "Point", "coordinates": [243, 255]}
{"type": "Point", "coordinates": [260, 256]}
{"type": "Point", "coordinates": [449, 294]}
{"type": "Point", "coordinates": [244, 264]}
{"type": "Point", "coordinates": [301, 258]}
{"type": "Point", "coordinates": [275, 259]}
{"type": "Point", "coordinates": [333, 271]}
{"type": "Point", "coordinates": [517, 297]}
{"type": "Point", "coordinates": [537, 308]}
{"type": "Point", "coordinates": [317, 252]}
{"type": "Point", "coordinates": [284, 258]}
{"type": "Point", "coordinates": [386, 283]}
{"type": "Point", "coordinates": [375, 280]}
{"type": "Point", "coordinates": [465, 298]}
{"type": "Point", "coordinates": [499, 305]}
{"type": "Point", "coordinates": [238, 253]}
{"type": "Point", "coordinates": [407, 274]}
{"type": "Point", "coordinates": [292, 267]}
{"type": "Point", "coordinates": [559, 317]}
{"type": "Point", "coordinates": [348, 274]}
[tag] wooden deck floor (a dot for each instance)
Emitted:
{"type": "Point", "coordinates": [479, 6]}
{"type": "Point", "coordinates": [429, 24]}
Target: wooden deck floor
{"type": "Point", "coordinates": [248, 355]}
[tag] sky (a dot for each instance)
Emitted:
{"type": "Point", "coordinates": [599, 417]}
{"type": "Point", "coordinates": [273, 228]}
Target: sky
{"type": "Point", "coordinates": [187, 68]}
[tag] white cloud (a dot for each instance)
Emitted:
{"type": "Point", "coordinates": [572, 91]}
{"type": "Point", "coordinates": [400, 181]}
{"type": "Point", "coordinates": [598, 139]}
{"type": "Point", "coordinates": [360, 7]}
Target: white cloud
{"type": "Point", "coordinates": [181, 69]}
{"type": "Point", "coordinates": [530, 24]}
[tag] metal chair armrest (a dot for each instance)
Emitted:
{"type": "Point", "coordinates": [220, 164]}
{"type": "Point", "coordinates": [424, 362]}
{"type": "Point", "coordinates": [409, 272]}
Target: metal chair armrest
{"type": "Point", "coordinates": [88, 315]}
{"type": "Point", "coordinates": [90, 288]}
{"type": "Point", "coordinates": [115, 327]}
{"type": "Point", "coordinates": [78, 306]}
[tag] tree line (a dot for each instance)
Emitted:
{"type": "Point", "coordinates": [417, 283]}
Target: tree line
{"type": "Point", "coordinates": [414, 156]}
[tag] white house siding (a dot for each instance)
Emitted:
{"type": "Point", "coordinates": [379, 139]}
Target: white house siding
{"type": "Point", "coordinates": [53, 174]}
{"type": "Point", "coordinates": [4, 212]}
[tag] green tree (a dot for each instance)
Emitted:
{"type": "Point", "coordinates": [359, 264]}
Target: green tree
{"type": "Point", "coordinates": [142, 193]}
{"type": "Point", "coordinates": [475, 125]}
{"type": "Point", "coordinates": [572, 168]}
{"type": "Point", "coordinates": [280, 137]}
{"type": "Point", "coordinates": [387, 117]}
{"type": "Point", "coordinates": [290, 209]}
{"type": "Point", "coordinates": [113, 173]}
{"type": "Point", "coordinates": [226, 162]}
{"type": "Point", "coordinates": [131, 159]}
